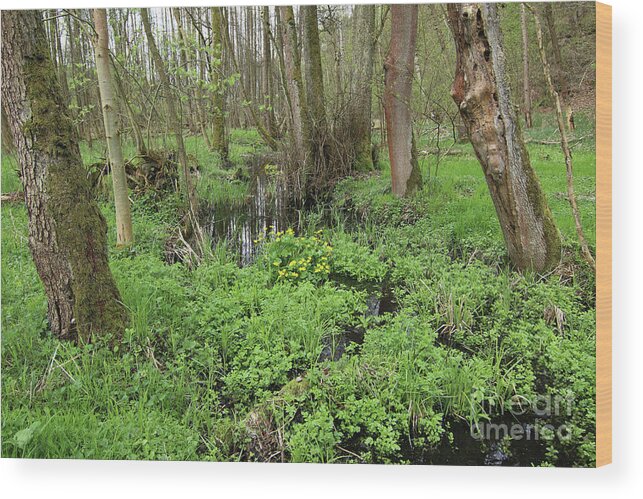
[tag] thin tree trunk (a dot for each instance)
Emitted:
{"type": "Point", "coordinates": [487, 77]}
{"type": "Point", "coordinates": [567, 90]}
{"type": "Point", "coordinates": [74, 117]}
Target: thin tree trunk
{"type": "Point", "coordinates": [526, 87]}
{"type": "Point", "coordinates": [313, 69]}
{"type": "Point", "coordinates": [124, 235]}
{"type": "Point", "coordinates": [362, 92]}
{"type": "Point", "coordinates": [564, 144]}
{"type": "Point", "coordinates": [219, 139]}
{"type": "Point", "coordinates": [67, 233]}
{"type": "Point", "coordinates": [265, 135]}
{"type": "Point", "coordinates": [561, 77]}
{"type": "Point", "coordinates": [481, 92]}
{"type": "Point", "coordinates": [268, 94]}
{"type": "Point", "coordinates": [300, 126]}
{"type": "Point", "coordinates": [175, 123]}
{"type": "Point", "coordinates": [399, 67]}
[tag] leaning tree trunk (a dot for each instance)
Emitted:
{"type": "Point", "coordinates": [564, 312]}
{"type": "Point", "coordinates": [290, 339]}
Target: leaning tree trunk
{"type": "Point", "coordinates": [482, 94]}
{"type": "Point", "coordinates": [399, 67]}
{"type": "Point", "coordinates": [67, 233]}
{"type": "Point", "coordinates": [109, 106]}
{"type": "Point", "coordinates": [526, 87]}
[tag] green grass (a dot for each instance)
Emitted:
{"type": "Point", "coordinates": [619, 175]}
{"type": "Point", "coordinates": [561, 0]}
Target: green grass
{"type": "Point", "coordinates": [219, 361]}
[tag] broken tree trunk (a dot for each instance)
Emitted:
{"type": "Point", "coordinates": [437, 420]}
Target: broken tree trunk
{"type": "Point", "coordinates": [481, 92]}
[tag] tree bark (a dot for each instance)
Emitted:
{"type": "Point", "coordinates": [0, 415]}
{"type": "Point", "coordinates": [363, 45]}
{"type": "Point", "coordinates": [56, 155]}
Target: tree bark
{"type": "Point", "coordinates": [399, 67]}
{"type": "Point", "coordinates": [564, 144]}
{"type": "Point", "coordinates": [219, 139]}
{"type": "Point", "coordinates": [526, 87]}
{"type": "Point", "coordinates": [124, 235]}
{"type": "Point", "coordinates": [481, 92]}
{"type": "Point", "coordinates": [298, 110]}
{"type": "Point", "coordinates": [67, 233]}
{"type": "Point", "coordinates": [313, 69]}
{"type": "Point", "coordinates": [267, 86]}
{"type": "Point", "coordinates": [362, 92]}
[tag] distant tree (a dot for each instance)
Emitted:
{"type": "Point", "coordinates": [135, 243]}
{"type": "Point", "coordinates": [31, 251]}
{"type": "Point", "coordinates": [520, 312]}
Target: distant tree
{"type": "Point", "coordinates": [67, 233]}
{"type": "Point", "coordinates": [564, 144]}
{"type": "Point", "coordinates": [109, 104]}
{"type": "Point", "coordinates": [399, 68]}
{"type": "Point", "coordinates": [173, 117]}
{"type": "Point", "coordinates": [362, 88]}
{"type": "Point", "coordinates": [482, 94]}
{"type": "Point", "coordinates": [560, 74]}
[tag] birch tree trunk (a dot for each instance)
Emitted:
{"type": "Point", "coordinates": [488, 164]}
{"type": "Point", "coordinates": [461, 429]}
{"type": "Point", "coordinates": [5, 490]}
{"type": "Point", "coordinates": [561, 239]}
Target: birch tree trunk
{"type": "Point", "coordinates": [67, 232]}
{"type": "Point", "coordinates": [109, 106]}
{"type": "Point", "coordinates": [481, 92]}
{"type": "Point", "coordinates": [399, 67]}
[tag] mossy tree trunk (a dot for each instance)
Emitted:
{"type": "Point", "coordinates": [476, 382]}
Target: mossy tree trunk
{"type": "Point", "coordinates": [399, 67]}
{"type": "Point", "coordinates": [67, 233]}
{"type": "Point", "coordinates": [481, 92]}
{"type": "Point", "coordinates": [109, 105]}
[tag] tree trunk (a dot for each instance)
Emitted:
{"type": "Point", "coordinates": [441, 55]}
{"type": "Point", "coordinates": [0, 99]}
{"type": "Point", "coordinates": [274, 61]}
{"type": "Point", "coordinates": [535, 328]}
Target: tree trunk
{"type": "Point", "coordinates": [124, 234]}
{"type": "Point", "coordinates": [481, 92]}
{"type": "Point", "coordinates": [219, 139]}
{"type": "Point", "coordinates": [67, 233]}
{"type": "Point", "coordinates": [587, 255]}
{"type": "Point", "coordinates": [399, 67]}
{"type": "Point", "coordinates": [295, 88]}
{"type": "Point", "coordinates": [362, 92]}
{"type": "Point", "coordinates": [268, 94]}
{"type": "Point", "coordinates": [526, 88]}
{"type": "Point", "coordinates": [313, 69]}
{"type": "Point", "coordinates": [173, 118]}
{"type": "Point", "coordinates": [561, 76]}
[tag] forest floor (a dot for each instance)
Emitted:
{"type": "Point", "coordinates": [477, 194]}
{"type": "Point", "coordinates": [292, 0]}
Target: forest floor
{"type": "Point", "coordinates": [399, 327]}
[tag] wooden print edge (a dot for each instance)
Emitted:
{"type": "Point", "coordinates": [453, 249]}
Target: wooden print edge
{"type": "Point", "coordinates": [603, 234]}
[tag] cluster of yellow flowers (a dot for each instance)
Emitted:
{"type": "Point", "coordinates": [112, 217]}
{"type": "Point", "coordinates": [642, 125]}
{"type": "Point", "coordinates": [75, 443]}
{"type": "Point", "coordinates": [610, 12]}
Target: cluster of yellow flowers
{"type": "Point", "coordinates": [317, 262]}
